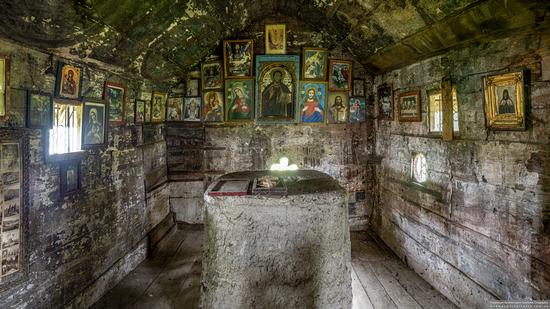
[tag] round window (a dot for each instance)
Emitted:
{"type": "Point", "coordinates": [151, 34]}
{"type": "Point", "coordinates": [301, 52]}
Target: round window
{"type": "Point", "coordinates": [419, 168]}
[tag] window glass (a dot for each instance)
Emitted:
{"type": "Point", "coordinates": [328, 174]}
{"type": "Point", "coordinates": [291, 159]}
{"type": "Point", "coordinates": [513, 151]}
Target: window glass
{"type": "Point", "coordinates": [2, 87]}
{"type": "Point", "coordinates": [455, 112]}
{"type": "Point", "coordinates": [419, 168]}
{"type": "Point", "coordinates": [65, 134]}
{"type": "Point", "coordinates": [2, 75]}
{"type": "Point", "coordinates": [436, 111]}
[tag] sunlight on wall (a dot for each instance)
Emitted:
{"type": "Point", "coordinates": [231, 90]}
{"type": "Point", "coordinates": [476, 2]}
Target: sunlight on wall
{"type": "Point", "coordinates": [283, 165]}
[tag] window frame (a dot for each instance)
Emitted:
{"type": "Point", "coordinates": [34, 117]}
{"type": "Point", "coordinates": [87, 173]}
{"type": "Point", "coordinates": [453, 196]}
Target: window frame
{"type": "Point", "coordinates": [454, 94]}
{"type": "Point", "coordinates": [429, 93]}
{"type": "Point", "coordinates": [7, 80]}
{"type": "Point", "coordinates": [56, 157]}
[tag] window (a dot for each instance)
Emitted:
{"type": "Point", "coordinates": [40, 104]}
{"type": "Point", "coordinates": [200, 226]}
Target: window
{"type": "Point", "coordinates": [65, 135]}
{"type": "Point", "coordinates": [435, 112]}
{"type": "Point", "coordinates": [435, 107]}
{"type": "Point", "coordinates": [419, 168]}
{"type": "Point", "coordinates": [3, 86]}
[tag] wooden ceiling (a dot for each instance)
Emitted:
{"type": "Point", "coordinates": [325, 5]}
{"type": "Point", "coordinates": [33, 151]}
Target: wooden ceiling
{"type": "Point", "coordinates": [163, 39]}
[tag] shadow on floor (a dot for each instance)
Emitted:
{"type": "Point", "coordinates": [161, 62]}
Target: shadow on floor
{"type": "Point", "coordinates": [170, 278]}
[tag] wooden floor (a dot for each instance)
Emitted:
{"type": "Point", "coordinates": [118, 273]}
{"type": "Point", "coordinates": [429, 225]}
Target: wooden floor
{"type": "Point", "coordinates": [171, 278]}
{"type": "Point", "coordinates": [381, 280]}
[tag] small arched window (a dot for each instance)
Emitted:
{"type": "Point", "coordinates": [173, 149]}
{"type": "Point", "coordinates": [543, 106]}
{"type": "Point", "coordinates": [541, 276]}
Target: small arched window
{"type": "Point", "coordinates": [419, 168]}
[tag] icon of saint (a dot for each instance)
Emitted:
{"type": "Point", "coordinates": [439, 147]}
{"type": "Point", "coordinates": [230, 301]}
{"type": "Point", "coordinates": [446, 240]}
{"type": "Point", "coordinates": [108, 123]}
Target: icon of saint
{"type": "Point", "coordinates": [506, 104]}
{"type": "Point", "coordinates": [312, 111]}
{"type": "Point", "coordinates": [192, 111]}
{"type": "Point", "coordinates": [240, 108]}
{"type": "Point", "coordinates": [276, 98]}
{"type": "Point", "coordinates": [337, 111]}
{"type": "Point", "coordinates": [94, 129]}
{"type": "Point", "coordinates": [157, 107]}
{"type": "Point", "coordinates": [213, 107]}
{"type": "Point", "coordinates": [357, 113]}
{"type": "Point", "coordinates": [276, 39]}
{"type": "Point", "coordinates": [174, 111]}
{"type": "Point", "coordinates": [69, 84]}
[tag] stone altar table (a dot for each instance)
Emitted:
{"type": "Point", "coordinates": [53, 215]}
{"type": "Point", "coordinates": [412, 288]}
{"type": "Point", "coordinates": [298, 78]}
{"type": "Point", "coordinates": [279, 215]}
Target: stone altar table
{"type": "Point", "coordinates": [291, 251]}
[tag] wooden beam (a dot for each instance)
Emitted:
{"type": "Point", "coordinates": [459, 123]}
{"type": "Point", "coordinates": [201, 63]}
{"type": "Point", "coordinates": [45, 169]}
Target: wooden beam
{"type": "Point", "coordinates": [447, 105]}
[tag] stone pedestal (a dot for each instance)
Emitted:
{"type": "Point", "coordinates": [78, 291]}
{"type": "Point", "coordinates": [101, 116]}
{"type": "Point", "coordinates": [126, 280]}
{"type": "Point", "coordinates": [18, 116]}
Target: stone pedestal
{"type": "Point", "coordinates": [288, 251]}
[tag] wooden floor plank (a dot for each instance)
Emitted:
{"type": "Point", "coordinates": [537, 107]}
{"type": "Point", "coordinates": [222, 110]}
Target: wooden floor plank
{"type": "Point", "coordinates": [136, 283]}
{"type": "Point", "coordinates": [368, 251]}
{"type": "Point", "coordinates": [189, 293]}
{"type": "Point", "coordinates": [422, 291]}
{"type": "Point", "coordinates": [397, 293]}
{"type": "Point", "coordinates": [175, 275]}
{"type": "Point", "coordinates": [360, 298]}
{"type": "Point", "coordinates": [375, 291]}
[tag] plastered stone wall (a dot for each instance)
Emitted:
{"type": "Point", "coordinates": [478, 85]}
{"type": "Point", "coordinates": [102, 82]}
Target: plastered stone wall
{"type": "Point", "coordinates": [342, 151]}
{"type": "Point", "coordinates": [100, 233]}
{"type": "Point", "coordinates": [479, 229]}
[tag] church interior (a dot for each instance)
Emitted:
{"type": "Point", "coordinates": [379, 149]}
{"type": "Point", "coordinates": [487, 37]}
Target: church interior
{"type": "Point", "coordinates": [275, 154]}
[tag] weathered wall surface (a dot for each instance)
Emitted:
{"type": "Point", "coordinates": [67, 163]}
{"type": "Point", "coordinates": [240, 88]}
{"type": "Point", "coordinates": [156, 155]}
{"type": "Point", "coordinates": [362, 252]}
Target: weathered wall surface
{"type": "Point", "coordinates": [338, 150]}
{"type": "Point", "coordinates": [199, 154]}
{"type": "Point", "coordinates": [73, 241]}
{"type": "Point", "coordinates": [479, 229]}
{"type": "Point", "coordinates": [162, 40]}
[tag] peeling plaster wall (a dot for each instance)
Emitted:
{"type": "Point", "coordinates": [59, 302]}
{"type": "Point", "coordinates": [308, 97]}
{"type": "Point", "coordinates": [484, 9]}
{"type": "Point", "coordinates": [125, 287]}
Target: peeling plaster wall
{"type": "Point", "coordinates": [74, 241]}
{"type": "Point", "coordinates": [479, 229]}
